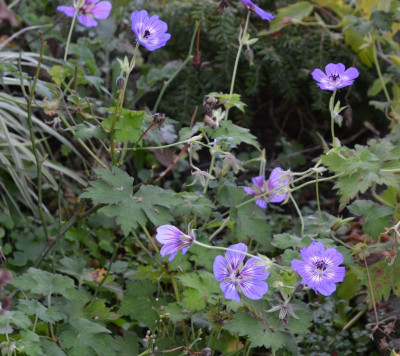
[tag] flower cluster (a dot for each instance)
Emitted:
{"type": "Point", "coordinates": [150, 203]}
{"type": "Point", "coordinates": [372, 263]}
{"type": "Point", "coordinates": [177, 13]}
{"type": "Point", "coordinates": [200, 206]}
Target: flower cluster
{"type": "Point", "coordinates": [274, 190]}
{"type": "Point", "coordinates": [320, 269]}
{"type": "Point", "coordinates": [150, 32]}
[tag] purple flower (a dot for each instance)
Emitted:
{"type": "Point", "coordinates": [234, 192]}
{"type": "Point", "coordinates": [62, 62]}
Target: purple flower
{"type": "Point", "coordinates": [91, 10]}
{"type": "Point", "coordinates": [336, 76]}
{"type": "Point", "coordinates": [278, 178]}
{"type": "Point", "coordinates": [260, 12]}
{"type": "Point", "coordinates": [149, 31]}
{"type": "Point", "coordinates": [320, 269]}
{"type": "Point", "coordinates": [173, 240]}
{"type": "Point", "coordinates": [233, 275]}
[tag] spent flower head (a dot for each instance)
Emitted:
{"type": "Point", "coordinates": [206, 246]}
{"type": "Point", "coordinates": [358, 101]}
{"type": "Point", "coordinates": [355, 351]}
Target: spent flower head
{"type": "Point", "coordinates": [173, 240]}
{"type": "Point", "coordinates": [260, 12]}
{"type": "Point", "coordinates": [151, 32]}
{"type": "Point", "coordinates": [89, 12]}
{"type": "Point", "coordinates": [320, 268]}
{"type": "Point", "coordinates": [234, 276]}
{"type": "Point", "coordinates": [278, 178]}
{"type": "Point", "coordinates": [201, 177]}
{"type": "Point", "coordinates": [335, 77]}
{"type": "Point", "coordinates": [230, 162]}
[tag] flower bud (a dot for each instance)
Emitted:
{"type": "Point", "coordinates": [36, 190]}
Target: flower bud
{"type": "Point", "coordinates": [286, 21]}
{"type": "Point", "coordinates": [298, 287]}
{"type": "Point", "coordinates": [120, 83]}
{"type": "Point", "coordinates": [249, 54]}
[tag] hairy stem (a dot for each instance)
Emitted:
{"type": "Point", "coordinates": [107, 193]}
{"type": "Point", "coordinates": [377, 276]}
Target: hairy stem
{"type": "Point", "coordinates": [150, 238]}
{"type": "Point", "coordinates": [235, 68]}
{"type": "Point", "coordinates": [378, 69]}
{"type": "Point", "coordinates": [299, 213]}
{"type": "Point", "coordinates": [317, 197]}
{"type": "Point", "coordinates": [370, 288]}
{"type": "Point", "coordinates": [331, 109]}
{"type": "Point", "coordinates": [209, 171]}
{"type": "Point", "coordinates": [120, 103]}
{"type": "Point", "coordinates": [71, 29]}
{"type": "Point", "coordinates": [178, 299]}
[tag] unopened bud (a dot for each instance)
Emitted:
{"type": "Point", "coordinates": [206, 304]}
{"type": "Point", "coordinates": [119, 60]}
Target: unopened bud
{"type": "Point", "coordinates": [158, 120]}
{"type": "Point", "coordinates": [120, 83]}
{"type": "Point", "coordinates": [249, 54]}
{"type": "Point", "coordinates": [338, 118]}
{"type": "Point", "coordinates": [286, 21]}
{"type": "Point", "coordinates": [206, 352]}
{"type": "Point", "coordinates": [298, 287]}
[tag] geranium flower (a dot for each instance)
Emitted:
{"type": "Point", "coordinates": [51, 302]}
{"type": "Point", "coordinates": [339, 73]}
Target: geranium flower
{"type": "Point", "coordinates": [249, 279]}
{"type": "Point", "coordinates": [91, 10]}
{"type": "Point", "coordinates": [173, 240]}
{"type": "Point", "coordinates": [260, 12]}
{"type": "Point", "coordinates": [320, 269]}
{"type": "Point", "coordinates": [277, 178]}
{"type": "Point", "coordinates": [149, 31]}
{"type": "Point", "coordinates": [336, 76]}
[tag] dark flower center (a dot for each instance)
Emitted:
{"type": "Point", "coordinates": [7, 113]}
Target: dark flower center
{"type": "Point", "coordinates": [237, 274]}
{"type": "Point", "coordinates": [321, 265]}
{"type": "Point", "coordinates": [146, 34]}
{"type": "Point", "coordinates": [334, 77]}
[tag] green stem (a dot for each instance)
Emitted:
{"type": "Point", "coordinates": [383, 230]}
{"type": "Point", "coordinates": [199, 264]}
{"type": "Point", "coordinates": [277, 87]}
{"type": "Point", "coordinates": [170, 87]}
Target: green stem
{"type": "Point", "coordinates": [263, 162]}
{"type": "Point", "coordinates": [341, 242]}
{"type": "Point", "coordinates": [82, 143]}
{"type": "Point", "coordinates": [269, 192]}
{"type": "Point", "coordinates": [299, 213]}
{"type": "Point", "coordinates": [209, 171]}
{"type": "Point", "coordinates": [178, 299]}
{"type": "Point", "coordinates": [216, 232]}
{"type": "Point", "coordinates": [331, 109]}
{"type": "Point", "coordinates": [235, 68]}
{"type": "Point", "coordinates": [222, 248]}
{"type": "Point", "coordinates": [33, 141]}
{"type": "Point", "coordinates": [114, 254]}
{"type": "Point", "coordinates": [35, 323]}
{"type": "Point", "coordinates": [71, 29]}
{"type": "Point", "coordinates": [158, 147]}
{"type": "Point", "coordinates": [394, 170]}
{"type": "Point", "coordinates": [319, 180]}
{"type": "Point", "coordinates": [120, 102]}
{"type": "Point", "coordinates": [317, 196]}
{"type": "Point", "coordinates": [145, 353]}
{"type": "Point", "coordinates": [143, 247]}
{"type": "Point", "coordinates": [379, 199]}
{"type": "Point", "coordinates": [378, 69]}
{"type": "Point", "coordinates": [183, 65]}
{"type": "Point", "coordinates": [150, 238]}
